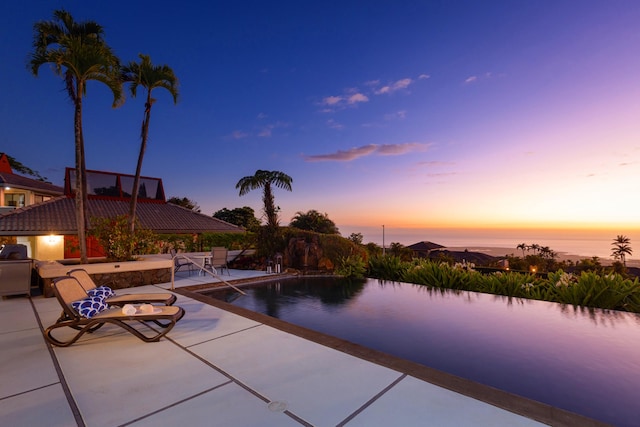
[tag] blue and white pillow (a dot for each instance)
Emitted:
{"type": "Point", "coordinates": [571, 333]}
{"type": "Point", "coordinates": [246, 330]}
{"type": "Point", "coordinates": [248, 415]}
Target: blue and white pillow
{"type": "Point", "coordinates": [101, 291]}
{"type": "Point", "coordinates": [90, 306]}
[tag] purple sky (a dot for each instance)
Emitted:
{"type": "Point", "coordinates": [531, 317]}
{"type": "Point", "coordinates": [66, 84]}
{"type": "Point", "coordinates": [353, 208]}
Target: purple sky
{"type": "Point", "coordinates": [463, 114]}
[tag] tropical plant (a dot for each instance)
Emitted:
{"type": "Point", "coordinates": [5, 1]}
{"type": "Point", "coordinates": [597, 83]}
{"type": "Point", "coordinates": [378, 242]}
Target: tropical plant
{"type": "Point", "coordinates": [119, 243]}
{"type": "Point", "coordinates": [356, 238]}
{"type": "Point", "coordinates": [243, 217]}
{"type": "Point", "coordinates": [524, 247]}
{"type": "Point", "coordinates": [400, 250]}
{"type": "Point", "coordinates": [78, 53]}
{"type": "Point", "coordinates": [589, 289]}
{"type": "Point", "coordinates": [265, 180]}
{"type": "Point", "coordinates": [387, 267]}
{"type": "Point", "coordinates": [185, 203]}
{"type": "Point", "coordinates": [352, 267]}
{"type": "Point", "coordinates": [150, 77]}
{"type": "Point", "coordinates": [20, 168]}
{"type": "Point", "coordinates": [621, 248]}
{"type": "Point", "coordinates": [313, 220]}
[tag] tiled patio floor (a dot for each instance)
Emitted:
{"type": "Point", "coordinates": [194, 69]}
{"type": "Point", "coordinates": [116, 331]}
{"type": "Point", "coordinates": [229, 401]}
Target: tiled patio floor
{"type": "Point", "coordinates": [216, 368]}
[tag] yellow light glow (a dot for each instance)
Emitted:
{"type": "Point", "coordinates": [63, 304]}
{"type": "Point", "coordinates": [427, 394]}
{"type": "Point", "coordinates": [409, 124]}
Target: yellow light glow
{"type": "Point", "coordinates": [53, 240]}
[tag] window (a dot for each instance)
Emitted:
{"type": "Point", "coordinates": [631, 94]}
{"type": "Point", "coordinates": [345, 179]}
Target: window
{"type": "Point", "coordinates": [39, 198]}
{"type": "Point", "coordinates": [14, 199]}
{"type": "Point", "coordinates": [115, 185]}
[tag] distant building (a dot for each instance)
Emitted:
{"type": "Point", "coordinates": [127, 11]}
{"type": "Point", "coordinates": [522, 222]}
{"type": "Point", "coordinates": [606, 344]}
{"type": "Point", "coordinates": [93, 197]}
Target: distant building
{"type": "Point", "coordinates": [17, 191]}
{"type": "Point", "coordinates": [424, 248]}
{"type": "Point", "coordinates": [49, 228]}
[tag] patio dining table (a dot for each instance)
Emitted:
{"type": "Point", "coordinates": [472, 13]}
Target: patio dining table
{"type": "Point", "coordinates": [204, 260]}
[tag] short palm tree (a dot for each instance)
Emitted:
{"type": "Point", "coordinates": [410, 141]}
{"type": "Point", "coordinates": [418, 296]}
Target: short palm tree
{"type": "Point", "coordinates": [265, 179]}
{"type": "Point", "coordinates": [150, 77]}
{"type": "Point", "coordinates": [314, 221]}
{"type": "Point", "coordinates": [523, 246]}
{"type": "Point", "coordinates": [78, 53]}
{"type": "Point", "coordinates": [621, 248]}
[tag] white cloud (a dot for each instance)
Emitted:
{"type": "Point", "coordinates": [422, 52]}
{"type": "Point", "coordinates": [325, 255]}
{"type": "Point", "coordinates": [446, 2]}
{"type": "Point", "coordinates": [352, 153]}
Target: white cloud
{"type": "Point", "coordinates": [368, 150]}
{"type": "Point", "coordinates": [398, 115]}
{"type": "Point", "coordinates": [485, 76]}
{"type": "Point", "coordinates": [424, 76]}
{"type": "Point", "coordinates": [357, 97]}
{"type": "Point", "coordinates": [265, 133]}
{"type": "Point", "coordinates": [238, 134]}
{"type": "Point", "coordinates": [262, 116]}
{"type": "Point", "coordinates": [392, 87]}
{"type": "Point", "coordinates": [332, 100]}
{"type": "Point", "coordinates": [334, 125]}
{"type": "Point", "coordinates": [267, 130]}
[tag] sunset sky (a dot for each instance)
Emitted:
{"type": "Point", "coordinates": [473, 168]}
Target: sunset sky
{"type": "Point", "coordinates": [418, 114]}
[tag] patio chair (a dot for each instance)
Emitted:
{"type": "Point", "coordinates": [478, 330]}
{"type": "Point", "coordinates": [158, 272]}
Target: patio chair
{"type": "Point", "coordinates": [219, 259]}
{"type": "Point", "coordinates": [87, 315]}
{"type": "Point", "coordinates": [89, 285]}
{"type": "Point", "coordinates": [180, 262]}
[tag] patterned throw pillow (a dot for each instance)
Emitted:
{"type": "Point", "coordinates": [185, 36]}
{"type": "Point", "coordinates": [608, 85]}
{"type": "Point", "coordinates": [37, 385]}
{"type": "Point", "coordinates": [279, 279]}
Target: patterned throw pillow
{"type": "Point", "coordinates": [90, 306]}
{"type": "Point", "coordinates": [101, 291]}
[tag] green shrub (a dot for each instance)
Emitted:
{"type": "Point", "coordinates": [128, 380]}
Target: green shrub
{"type": "Point", "coordinates": [117, 241]}
{"type": "Point", "coordinates": [589, 289]}
{"type": "Point", "coordinates": [352, 267]}
{"type": "Point", "coordinates": [441, 275]}
{"type": "Point", "coordinates": [387, 267]}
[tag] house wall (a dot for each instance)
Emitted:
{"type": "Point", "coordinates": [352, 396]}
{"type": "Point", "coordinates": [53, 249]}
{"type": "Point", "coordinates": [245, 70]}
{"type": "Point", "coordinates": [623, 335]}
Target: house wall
{"type": "Point", "coordinates": [29, 196]}
{"type": "Point", "coordinates": [49, 248]}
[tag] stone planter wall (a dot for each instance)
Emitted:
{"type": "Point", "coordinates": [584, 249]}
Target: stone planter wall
{"type": "Point", "coordinates": [130, 279]}
{"type": "Point", "coordinates": [150, 270]}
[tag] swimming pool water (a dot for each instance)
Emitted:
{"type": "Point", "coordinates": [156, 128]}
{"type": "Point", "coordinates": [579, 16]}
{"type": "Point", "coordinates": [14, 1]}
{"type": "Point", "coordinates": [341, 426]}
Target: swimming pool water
{"type": "Point", "coordinates": [583, 360]}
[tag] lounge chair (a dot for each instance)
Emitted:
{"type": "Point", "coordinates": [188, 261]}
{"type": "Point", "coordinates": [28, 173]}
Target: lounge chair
{"type": "Point", "coordinates": [70, 292]}
{"type": "Point", "coordinates": [180, 262]}
{"type": "Point", "coordinates": [219, 259]}
{"type": "Point", "coordinates": [88, 284]}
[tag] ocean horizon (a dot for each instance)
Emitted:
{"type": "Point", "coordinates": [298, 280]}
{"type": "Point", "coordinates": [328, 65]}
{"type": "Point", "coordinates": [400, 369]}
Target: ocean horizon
{"type": "Point", "coordinates": [585, 243]}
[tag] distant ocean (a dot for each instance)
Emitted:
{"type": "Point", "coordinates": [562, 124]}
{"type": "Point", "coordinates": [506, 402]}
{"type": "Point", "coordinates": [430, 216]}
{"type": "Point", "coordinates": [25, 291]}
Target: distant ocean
{"type": "Point", "coordinates": [584, 243]}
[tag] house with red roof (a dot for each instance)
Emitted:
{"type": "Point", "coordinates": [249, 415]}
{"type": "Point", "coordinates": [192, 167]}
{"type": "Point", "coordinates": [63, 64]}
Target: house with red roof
{"type": "Point", "coordinates": [48, 226]}
{"type": "Point", "coordinates": [17, 191]}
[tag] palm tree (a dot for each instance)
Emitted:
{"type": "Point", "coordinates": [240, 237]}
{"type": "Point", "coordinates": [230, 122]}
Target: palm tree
{"type": "Point", "coordinates": [148, 76]}
{"type": "Point", "coordinates": [314, 221]}
{"type": "Point", "coordinates": [523, 246]}
{"type": "Point", "coordinates": [621, 248]}
{"type": "Point", "coordinates": [78, 53]}
{"type": "Point", "coordinates": [265, 179]}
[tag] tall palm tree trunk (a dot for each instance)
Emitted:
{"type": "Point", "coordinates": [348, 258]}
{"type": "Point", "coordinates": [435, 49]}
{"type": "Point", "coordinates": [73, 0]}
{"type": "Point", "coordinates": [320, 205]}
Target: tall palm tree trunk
{"type": "Point", "coordinates": [269, 207]}
{"type": "Point", "coordinates": [136, 180]}
{"type": "Point", "coordinates": [81, 177]}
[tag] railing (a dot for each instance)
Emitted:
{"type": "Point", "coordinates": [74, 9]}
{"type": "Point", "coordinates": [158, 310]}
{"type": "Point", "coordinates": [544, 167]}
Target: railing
{"type": "Point", "coordinates": [203, 269]}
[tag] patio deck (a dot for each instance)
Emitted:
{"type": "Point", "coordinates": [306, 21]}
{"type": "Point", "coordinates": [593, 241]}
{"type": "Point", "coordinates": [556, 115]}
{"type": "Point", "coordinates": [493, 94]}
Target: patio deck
{"type": "Point", "coordinates": [222, 367]}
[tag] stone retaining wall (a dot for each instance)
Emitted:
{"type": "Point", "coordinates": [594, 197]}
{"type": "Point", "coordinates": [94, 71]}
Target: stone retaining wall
{"type": "Point", "coordinates": [150, 270]}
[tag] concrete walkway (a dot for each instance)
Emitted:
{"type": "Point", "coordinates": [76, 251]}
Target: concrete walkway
{"type": "Point", "coordinates": [215, 368]}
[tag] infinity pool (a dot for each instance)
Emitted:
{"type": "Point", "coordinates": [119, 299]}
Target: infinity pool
{"type": "Point", "coordinates": [583, 360]}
